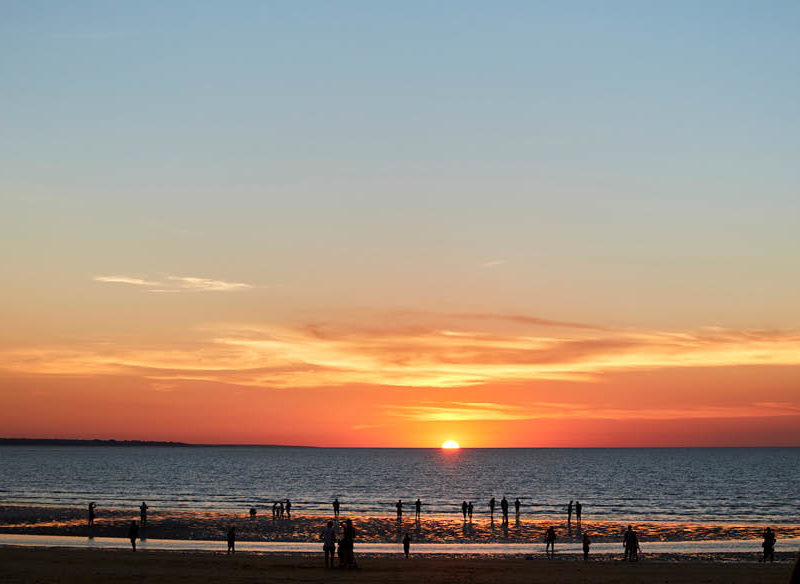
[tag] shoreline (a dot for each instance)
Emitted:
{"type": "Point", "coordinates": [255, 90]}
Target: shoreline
{"type": "Point", "coordinates": [481, 536]}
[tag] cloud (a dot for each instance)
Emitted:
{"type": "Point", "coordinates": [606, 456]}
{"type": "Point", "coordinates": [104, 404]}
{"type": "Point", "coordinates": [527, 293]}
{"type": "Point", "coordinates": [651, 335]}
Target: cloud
{"type": "Point", "coordinates": [493, 263]}
{"type": "Point", "coordinates": [471, 412]}
{"type": "Point", "coordinates": [125, 280]}
{"type": "Point", "coordinates": [327, 355]}
{"type": "Point", "coordinates": [177, 284]}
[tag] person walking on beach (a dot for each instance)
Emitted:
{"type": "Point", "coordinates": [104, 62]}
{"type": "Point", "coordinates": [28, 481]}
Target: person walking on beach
{"type": "Point", "coordinates": [517, 505]}
{"type": "Point", "coordinates": [288, 509]}
{"type": "Point", "coordinates": [586, 543]}
{"type": "Point", "coordinates": [550, 541]}
{"type": "Point", "coordinates": [578, 508]}
{"type": "Point", "coordinates": [464, 508]}
{"type": "Point", "coordinates": [133, 533]}
{"type": "Point", "coordinates": [769, 545]}
{"type": "Point", "coordinates": [569, 514]}
{"type": "Point", "coordinates": [491, 508]}
{"type": "Point", "coordinates": [406, 545]}
{"type": "Point", "coordinates": [328, 537]}
{"type": "Point", "coordinates": [399, 506]}
{"type": "Point", "coordinates": [504, 509]}
{"type": "Point", "coordinates": [92, 507]}
{"type": "Point", "coordinates": [143, 514]}
{"type": "Point", "coordinates": [232, 540]}
{"type": "Point", "coordinates": [336, 508]}
{"type": "Point", "coordinates": [418, 509]}
{"type": "Point", "coordinates": [470, 509]}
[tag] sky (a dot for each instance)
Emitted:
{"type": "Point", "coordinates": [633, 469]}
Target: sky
{"type": "Point", "coordinates": [512, 224]}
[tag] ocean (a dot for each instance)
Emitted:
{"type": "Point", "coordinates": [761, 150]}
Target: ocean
{"type": "Point", "coordinates": [736, 485]}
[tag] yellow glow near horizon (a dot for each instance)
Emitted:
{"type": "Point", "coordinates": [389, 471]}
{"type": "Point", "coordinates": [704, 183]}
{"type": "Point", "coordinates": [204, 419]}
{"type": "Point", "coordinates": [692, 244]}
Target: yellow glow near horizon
{"type": "Point", "coordinates": [450, 445]}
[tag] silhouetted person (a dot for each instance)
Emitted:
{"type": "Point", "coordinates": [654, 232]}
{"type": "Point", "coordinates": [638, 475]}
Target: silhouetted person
{"type": "Point", "coordinates": [635, 548]}
{"type": "Point", "coordinates": [275, 510]}
{"type": "Point", "coordinates": [626, 542]}
{"type": "Point", "coordinates": [517, 505]}
{"type": "Point", "coordinates": [336, 508]}
{"type": "Point", "coordinates": [399, 506]}
{"type": "Point", "coordinates": [464, 508]}
{"type": "Point", "coordinates": [586, 543]}
{"type": "Point", "coordinates": [470, 509]}
{"type": "Point", "coordinates": [769, 545]}
{"type": "Point", "coordinates": [569, 514]}
{"type": "Point", "coordinates": [550, 541]}
{"type": "Point", "coordinates": [232, 540]}
{"type": "Point", "coordinates": [252, 512]}
{"type": "Point", "coordinates": [92, 507]}
{"type": "Point", "coordinates": [143, 514]}
{"type": "Point", "coordinates": [328, 537]}
{"type": "Point", "coordinates": [406, 545]}
{"type": "Point", "coordinates": [418, 509]}
{"type": "Point", "coordinates": [578, 508]}
{"type": "Point", "coordinates": [288, 509]}
{"type": "Point", "coordinates": [133, 533]}
{"type": "Point", "coordinates": [347, 557]}
{"type": "Point", "coordinates": [504, 508]}
{"type": "Point", "coordinates": [491, 508]}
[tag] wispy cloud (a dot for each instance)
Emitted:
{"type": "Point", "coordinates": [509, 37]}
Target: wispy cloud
{"type": "Point", "coordinates": [494, 263]}
{"type": "Point", "coordinates": [176, 284]}
{"type": "Point", "coordinates": [319, 355]}
{"type": "Point", "coordinates": [472, 412]}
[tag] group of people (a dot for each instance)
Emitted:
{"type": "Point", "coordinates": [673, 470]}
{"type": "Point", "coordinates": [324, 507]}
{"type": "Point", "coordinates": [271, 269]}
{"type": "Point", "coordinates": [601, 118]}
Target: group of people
{"type": "Point", "coordinates": [346, 543]}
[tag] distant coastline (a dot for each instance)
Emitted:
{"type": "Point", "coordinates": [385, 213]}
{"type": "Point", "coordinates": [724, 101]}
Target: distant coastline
{"type": "Point", "coordinates": [112, 442]}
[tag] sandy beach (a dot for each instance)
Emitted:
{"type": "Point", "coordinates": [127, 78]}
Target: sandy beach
{"type": "Point", "coordinates": [66, 566]}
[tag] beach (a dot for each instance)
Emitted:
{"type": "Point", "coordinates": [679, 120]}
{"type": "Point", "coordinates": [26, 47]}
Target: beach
{"type": "Point", "coordinates": [84, 566]}
{"type": "Point", "coordinates": [212, 525]}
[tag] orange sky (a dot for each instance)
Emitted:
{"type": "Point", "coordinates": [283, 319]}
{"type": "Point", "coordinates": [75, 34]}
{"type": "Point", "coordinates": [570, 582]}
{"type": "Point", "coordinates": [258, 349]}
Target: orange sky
{"type": "Point", "coordinates": [406, 380]}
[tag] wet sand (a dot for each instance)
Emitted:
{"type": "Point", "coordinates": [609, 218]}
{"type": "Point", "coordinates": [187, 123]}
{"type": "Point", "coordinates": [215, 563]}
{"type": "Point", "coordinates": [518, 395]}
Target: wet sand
{"type": "Point", "coordinates": [210, 525]}
{"type": "Point", "coordinates": [82, 566]}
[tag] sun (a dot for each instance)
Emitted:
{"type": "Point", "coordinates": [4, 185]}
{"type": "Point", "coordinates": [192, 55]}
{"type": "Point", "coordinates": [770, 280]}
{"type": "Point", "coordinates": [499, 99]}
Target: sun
{"type": "Point", "coordinates": [450, 445]}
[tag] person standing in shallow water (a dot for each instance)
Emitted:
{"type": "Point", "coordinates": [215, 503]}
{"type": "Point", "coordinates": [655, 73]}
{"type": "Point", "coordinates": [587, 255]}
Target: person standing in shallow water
{"type": "Point", "coordinates": [232, 540]}
{"type": "Point", "coordinates": [578, 508]}
{"type": "Point", "coordinates": [464, 508]}
{"type": "Point", "coordinates": [491, 508]}
{"type": "Point", "coordinates": [407, 545]}
{"type": "Point", "coordinates": [143, 514]}
{"type": "Point", "coordinates": [418, 508]}
{"type": "Point", "coordinates": [288, 509]}
{"type": "Point", "coordinates": [569, 514]}
{"type": "Point", "coordinates": [504, 508]}
{"type": "Point", "coordinates": [517, 505]}
{"type": "Point", "coordinates": [133, 533]}
{"type": "Point", "coordinates": [470, 509]}
{"type": "Point", "coordinates": [399, 506]}
{"type": "Point", "coordinates": [336, 508]}
{"type": "Point", "coordinates": [92, 507]}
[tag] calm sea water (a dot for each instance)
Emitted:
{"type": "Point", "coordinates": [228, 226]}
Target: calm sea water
{"type": "Point", "coordinates": [752, 485]}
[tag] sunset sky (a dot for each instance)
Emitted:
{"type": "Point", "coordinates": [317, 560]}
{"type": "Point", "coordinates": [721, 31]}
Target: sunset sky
{"type": "Point", "coordinates": [391, 224]}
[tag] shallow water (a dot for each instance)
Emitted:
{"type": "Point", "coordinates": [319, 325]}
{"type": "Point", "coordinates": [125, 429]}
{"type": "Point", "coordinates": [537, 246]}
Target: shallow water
{"type": "Point", "coordinates": [743, 485]}
{"type": "Point", "coordinates": [486, 549]}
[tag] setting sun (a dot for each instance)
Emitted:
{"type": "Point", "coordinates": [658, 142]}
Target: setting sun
{"type": "Point", "coordinates": [450, 445]}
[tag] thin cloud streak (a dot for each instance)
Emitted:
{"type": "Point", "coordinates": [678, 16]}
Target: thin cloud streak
{"type": "Point", "coordinates": [177, 284]}
{"type": "Point", "coordinates": [319, 355]}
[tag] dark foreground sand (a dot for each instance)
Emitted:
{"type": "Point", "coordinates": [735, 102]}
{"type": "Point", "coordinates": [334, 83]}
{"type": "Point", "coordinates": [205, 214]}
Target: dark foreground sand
{"type": "Point", "coordinates": [89, 566]}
